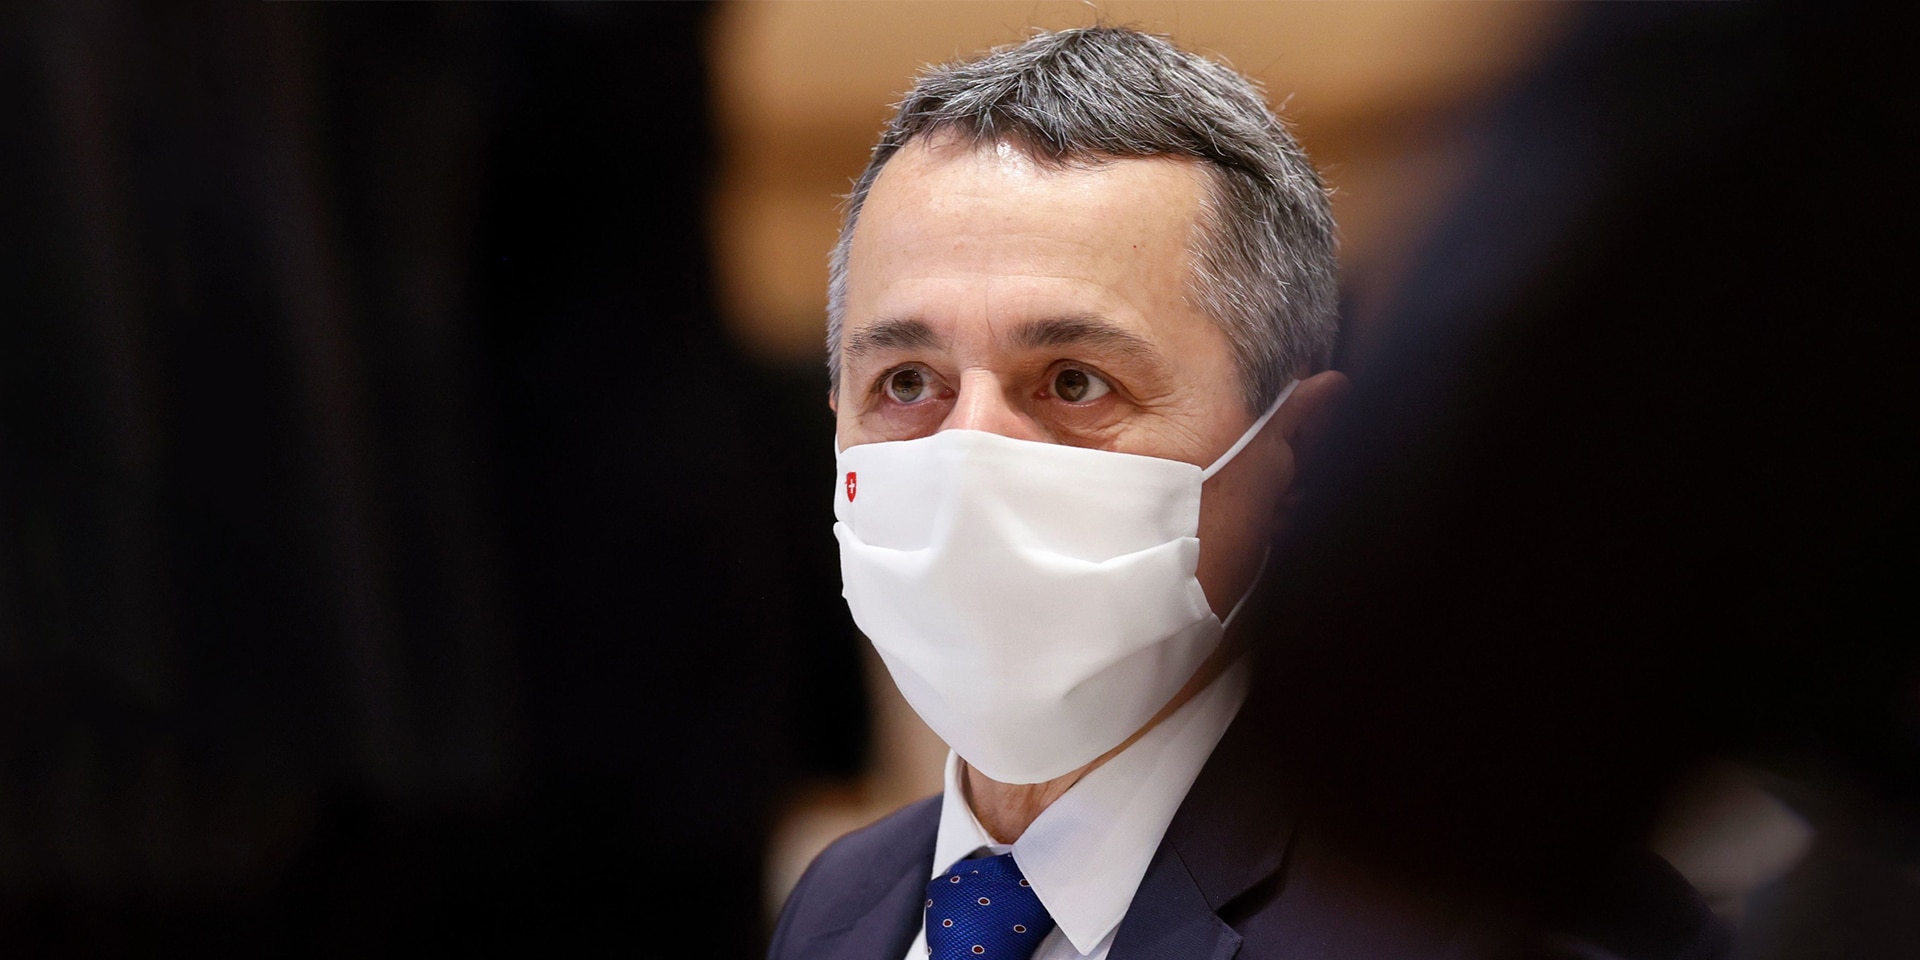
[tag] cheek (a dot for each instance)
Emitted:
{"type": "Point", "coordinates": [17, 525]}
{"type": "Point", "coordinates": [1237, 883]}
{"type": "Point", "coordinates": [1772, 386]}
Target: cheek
{"type": "Point", "coordinates": [904, 422]}
{"type": "Point", "coordinates": [874, 420]}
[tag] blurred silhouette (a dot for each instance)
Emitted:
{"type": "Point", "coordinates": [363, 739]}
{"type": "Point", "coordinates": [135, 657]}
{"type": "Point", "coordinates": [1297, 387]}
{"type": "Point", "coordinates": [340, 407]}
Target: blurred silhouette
{"type": "Point", "coordinates": [1620, 492]}
{"type": "Point", "coordinates": [398, 558]}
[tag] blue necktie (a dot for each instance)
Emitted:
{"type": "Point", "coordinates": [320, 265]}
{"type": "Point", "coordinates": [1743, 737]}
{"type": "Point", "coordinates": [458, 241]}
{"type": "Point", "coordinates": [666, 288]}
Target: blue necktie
{"type": "Point", "coordinates": [984, 908]}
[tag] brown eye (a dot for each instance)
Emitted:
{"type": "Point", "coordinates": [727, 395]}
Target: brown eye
{"type": "Point", "coordinates": [906, 386]}
{"type": "Point", "coordinates": [1075, 385]}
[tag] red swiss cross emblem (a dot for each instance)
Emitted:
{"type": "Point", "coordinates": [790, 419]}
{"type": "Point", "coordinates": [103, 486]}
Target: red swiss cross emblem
{"type": "Point", "coordinates": [853, 485]}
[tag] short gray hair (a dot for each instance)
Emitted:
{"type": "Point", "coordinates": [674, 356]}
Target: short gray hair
{"type": "Point", "coordinates": [1266, 270]}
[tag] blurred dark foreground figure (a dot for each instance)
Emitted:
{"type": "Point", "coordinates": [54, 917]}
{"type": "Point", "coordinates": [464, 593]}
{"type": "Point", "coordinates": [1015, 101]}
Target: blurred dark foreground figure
{"type": "Point", "coordinates": [1626, 487]}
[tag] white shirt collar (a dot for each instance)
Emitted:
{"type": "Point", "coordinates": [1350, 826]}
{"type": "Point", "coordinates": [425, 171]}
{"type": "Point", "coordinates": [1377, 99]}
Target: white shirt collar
{"type": "Point", "coordinates": [1086, 853]}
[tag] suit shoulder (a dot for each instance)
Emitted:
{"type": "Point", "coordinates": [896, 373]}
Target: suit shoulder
{"type": "Point", "coordinates": [894, 838]}
{"type": "Point", "coordinates": [853, 873]}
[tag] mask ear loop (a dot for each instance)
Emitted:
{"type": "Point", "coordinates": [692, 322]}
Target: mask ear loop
{"type": "Point", "coordinates": [1226, 458]}
{"type": "Point", "coordinates": [1259, 577]}
{"type": "Point", "coordinates": [1253, 431]}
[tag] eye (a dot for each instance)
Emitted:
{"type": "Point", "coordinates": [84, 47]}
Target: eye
{"type": "Point", "coordinates": [1075, 385]}
{"type": "Point", "coordinates": [905, 385]}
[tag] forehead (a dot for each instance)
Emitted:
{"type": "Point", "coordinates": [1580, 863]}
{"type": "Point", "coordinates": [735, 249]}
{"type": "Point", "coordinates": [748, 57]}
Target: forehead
{"type": "Point", "coordinates": [954, 235]}
{"type": "Point", "coordinates": [939, 186]}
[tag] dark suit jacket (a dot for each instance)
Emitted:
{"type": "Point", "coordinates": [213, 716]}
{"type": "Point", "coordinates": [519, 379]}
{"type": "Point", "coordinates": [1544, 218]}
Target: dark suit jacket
{"type": "Point", "coordinates": [1239, 874]}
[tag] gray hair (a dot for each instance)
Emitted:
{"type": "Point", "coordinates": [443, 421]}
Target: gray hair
{"type": "Point", "coordinates": [1265, 268]}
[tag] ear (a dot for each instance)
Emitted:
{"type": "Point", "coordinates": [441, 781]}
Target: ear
{"type": "Point", "coordinates": [1307, 418]}
{"type": "Point", "coordinates": [833, 400]}
{"type": "Point", "coordinates": [1309, 413]}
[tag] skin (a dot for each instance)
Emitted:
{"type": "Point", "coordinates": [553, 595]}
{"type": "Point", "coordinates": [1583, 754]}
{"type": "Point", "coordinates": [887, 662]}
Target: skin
{"type": "Point", "coordinates": [987, 292]}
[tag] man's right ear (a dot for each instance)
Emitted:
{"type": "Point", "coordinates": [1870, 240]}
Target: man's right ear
{"type": "Point", "coordinates": [1322, 397]}
{"type": "Point", "coordinates": [1310, 413]}
{"type": "Point", "coordinates": [833, 400]}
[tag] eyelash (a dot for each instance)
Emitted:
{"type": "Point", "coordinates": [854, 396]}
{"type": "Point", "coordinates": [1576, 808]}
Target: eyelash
{"type": "Point", "coordinates": [1094, 373]}
{"type": "Point", "coordinates": [879, 388]}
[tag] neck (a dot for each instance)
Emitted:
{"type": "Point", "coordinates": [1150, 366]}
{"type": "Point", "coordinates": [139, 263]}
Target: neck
{"type": "Point", "coordinates": [1007, 809]}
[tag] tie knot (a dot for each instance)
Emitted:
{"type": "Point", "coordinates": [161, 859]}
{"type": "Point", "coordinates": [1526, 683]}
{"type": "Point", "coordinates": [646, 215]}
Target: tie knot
{"type": "Point", "coordinates": [984, 908]}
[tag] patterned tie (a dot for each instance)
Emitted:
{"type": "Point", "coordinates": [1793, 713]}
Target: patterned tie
{"type": "Point", "coordinates": [983, 907]}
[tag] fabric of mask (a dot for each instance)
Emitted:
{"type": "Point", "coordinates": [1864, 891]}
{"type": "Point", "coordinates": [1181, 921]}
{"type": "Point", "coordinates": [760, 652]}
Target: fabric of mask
{"type": "Point", "coordinates": [1035, 603]}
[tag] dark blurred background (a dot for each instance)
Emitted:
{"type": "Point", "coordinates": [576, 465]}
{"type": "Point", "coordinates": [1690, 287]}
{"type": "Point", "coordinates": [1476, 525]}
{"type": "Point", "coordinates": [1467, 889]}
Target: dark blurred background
{"type": "Point", "coordinates": [397, 555]}
{"type": "Point", "coordinates": [411, 419]}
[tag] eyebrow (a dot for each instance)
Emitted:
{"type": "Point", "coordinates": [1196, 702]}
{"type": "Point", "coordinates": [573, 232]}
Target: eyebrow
{"type": "Point", "coordinates": [890, 333]}
{"type": "Point", "coordinates": [1094, 332]}
{"type": "Point", "coordinates": [1087, 331]}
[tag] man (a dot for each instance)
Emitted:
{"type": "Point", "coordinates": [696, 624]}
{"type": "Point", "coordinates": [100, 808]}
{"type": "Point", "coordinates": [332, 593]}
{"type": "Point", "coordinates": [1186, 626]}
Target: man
{"type": "Point", "coordinates": [1081, 316]}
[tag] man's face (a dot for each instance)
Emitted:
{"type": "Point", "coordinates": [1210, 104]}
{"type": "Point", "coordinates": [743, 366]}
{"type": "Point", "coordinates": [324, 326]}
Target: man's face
{"type": "Point", "coordinates": [986, 292]}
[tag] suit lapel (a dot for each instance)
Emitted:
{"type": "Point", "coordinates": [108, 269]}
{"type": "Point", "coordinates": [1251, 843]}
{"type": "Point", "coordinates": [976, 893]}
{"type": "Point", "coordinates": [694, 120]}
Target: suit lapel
{"type": "Point", "coordinates": [1229, 836]}
{"type": "Point", "coordinates": [1169, 917]}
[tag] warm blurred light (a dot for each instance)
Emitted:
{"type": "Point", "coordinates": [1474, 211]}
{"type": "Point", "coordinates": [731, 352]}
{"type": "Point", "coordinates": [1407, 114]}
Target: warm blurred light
{"type": "Point", "coordinates": [803, 87]}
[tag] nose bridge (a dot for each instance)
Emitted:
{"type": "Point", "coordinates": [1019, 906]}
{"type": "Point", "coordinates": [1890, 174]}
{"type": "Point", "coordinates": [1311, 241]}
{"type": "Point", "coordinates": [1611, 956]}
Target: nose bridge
{"type": "Point", "coordinates": [982, 403]}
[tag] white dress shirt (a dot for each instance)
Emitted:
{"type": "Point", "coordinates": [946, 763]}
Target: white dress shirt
{"type": "Point", "coordinates": [1086, 853]}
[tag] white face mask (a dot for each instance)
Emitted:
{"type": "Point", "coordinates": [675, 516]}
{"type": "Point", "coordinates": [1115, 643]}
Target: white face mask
{"type": "Point", "coordinates": [1035, 603]}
